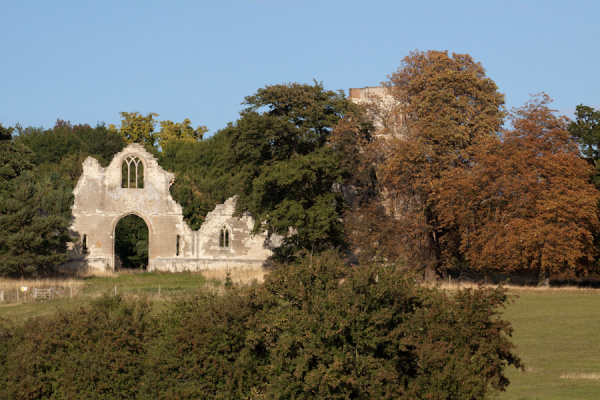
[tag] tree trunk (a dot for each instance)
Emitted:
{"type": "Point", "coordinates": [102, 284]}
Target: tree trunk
{"type": "Point", "coordinates": [544, 278]}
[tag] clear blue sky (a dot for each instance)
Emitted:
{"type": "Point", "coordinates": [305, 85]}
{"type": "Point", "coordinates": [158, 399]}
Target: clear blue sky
{"type": "Point", "coordinates": [85, 61]}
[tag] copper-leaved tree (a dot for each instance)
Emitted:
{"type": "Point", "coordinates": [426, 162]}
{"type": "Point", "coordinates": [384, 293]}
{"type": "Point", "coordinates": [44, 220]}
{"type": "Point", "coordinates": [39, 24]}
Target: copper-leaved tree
{"type": "Point", "coordinates": [449, 104]}
{"type": "Point", "coordinates": [527, 202]}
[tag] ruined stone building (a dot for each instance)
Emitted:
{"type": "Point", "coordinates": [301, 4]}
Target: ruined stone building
{"type": "Point", "coordinates": [383, 108]}
{"type": "Point", "coordinates": [134, 183]}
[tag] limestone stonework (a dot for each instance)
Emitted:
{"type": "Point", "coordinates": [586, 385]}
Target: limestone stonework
{"type": "Point", "coordinates": [134, 183]}
{"type": "Point", "coordinates": [383, 108]}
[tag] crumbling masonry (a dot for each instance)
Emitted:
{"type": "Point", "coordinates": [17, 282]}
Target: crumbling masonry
{"type": "Point", "coordinates": [134, 183]}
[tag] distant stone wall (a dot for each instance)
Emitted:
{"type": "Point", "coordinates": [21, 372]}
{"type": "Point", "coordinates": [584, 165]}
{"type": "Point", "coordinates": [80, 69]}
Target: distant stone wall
{"type": "Point", "coordinates": [134, 183]}
{"type": "Point", "coordinates": [382, 108]}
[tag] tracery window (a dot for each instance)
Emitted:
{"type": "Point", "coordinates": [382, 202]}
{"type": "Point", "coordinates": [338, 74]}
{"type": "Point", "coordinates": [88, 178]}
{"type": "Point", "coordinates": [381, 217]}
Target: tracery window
{"type": "Point", "coordinates": [224, 237]}
{"type": "Point", "coordinates": [132, 173]}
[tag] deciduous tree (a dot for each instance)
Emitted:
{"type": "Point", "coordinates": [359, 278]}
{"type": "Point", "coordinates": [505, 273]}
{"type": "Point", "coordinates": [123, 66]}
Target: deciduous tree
{"type": "Point", "coordinates": [449, 105]}
{"type": "Point", "coordinates": [526, 202]}
{"type": "Point", "coordinates": [180, 131]}
{"type": "Point", "coordinates": [137, 128]}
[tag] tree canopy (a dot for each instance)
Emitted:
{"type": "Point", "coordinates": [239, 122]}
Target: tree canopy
{"type": "Point", "coordinates": [586, 130]}
{"type": "Point", "coordinates": [288, 168]}
{"type": "Point", "coordinates": [318, 329]}
{"type": "Point", "coordinates": [138, 128]}
{"type": "Point", "coordinates": [33, 225]}
{"type": "Point", "coordinates": [449, 105]}
{"type": "Point", "coordinates": [526, 203]}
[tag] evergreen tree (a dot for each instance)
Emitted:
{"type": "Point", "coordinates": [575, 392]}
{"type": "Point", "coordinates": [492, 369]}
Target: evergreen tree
{"type": "Point", "coordinates": [33, 233]}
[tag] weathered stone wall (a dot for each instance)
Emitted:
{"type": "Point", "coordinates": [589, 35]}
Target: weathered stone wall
{"type": "Point", "coordinates": [101, 201]}
{"type": "Point", "coordinates": [382, 108]}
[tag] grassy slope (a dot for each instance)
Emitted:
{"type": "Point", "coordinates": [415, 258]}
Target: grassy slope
{"type": "Point", "coordinates": [557, 332]}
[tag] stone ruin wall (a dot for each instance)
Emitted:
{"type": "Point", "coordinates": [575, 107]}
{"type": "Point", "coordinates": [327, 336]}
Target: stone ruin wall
{"type": "Point", "coordinates": [383, 108]}
{"type": "Point", "coordinates": [101, 201]}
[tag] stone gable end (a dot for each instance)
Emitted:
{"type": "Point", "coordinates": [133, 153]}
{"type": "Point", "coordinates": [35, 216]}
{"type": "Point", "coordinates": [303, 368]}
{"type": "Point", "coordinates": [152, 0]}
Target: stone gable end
{"type": "Point", "coordinates": [134, 183]}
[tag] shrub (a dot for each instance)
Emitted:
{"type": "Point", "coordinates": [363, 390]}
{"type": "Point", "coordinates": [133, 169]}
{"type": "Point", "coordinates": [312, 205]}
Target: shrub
{"type": "Point", "coordinates": [93, 353]}
{"type": "Point", "coordinates": [315, 329]}
{"type": "Point", "coordinates": [371, 332]}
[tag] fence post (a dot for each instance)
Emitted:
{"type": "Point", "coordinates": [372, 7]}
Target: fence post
{"type": "Point", "coordinates": [115, 289]}
{"type": "Point", "coordinates": [71, 290]}
{"type": "Point", "coordinates": [158, 290]}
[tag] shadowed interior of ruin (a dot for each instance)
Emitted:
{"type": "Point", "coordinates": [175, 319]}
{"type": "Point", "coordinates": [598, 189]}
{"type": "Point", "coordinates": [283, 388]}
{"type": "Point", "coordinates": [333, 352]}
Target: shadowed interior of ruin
{"type": "Point", "coordinates": [131, 242]}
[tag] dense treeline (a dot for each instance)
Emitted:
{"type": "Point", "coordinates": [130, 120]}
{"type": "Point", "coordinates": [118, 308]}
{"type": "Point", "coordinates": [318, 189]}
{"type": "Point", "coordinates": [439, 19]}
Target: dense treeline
{"type": "Point", "coordinates": [432, 179]}
{"type": "Point", "coordinates": [466, 192]}
{"type": "Point", "coordinates": [316, 329]}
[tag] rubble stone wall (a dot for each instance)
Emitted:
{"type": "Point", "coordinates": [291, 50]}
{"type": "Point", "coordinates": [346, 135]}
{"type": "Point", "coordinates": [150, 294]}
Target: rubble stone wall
{"type": "Point", "coordinates": [223, 241]}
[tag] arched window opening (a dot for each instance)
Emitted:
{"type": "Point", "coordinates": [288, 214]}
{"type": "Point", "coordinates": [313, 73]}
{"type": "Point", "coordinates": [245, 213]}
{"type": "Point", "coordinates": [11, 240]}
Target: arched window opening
{"type": "Point", "coordinates": [131, 242]}
{"type": "Point", "coordinates": [132, 173]}
{"type": "Point", "coordinates": [177, 251]}
{"type": "Point", "coordinates": [224, 237]}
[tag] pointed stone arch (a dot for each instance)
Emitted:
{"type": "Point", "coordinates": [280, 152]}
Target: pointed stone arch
{"type": "Point", "coordinates": [225, 237]}
{"type": "Point", "coordinates": [149, 226]}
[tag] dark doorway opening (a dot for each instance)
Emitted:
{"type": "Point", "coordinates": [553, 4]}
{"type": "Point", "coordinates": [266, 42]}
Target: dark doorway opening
{"type": "Point", "coordinates": [131, 243]}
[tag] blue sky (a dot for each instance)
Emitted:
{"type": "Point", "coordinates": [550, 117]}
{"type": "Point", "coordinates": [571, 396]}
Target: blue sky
{"type": "Point", "coordinates": [85, 61]}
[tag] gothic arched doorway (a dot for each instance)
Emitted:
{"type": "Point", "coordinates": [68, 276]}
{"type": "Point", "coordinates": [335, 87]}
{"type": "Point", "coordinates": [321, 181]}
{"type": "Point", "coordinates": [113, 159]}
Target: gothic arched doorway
{"type": "Point", "coordinates": [131, 243]}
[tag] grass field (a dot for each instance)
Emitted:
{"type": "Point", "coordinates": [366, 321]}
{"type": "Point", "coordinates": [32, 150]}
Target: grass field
{"type": "Point", "coordinates": [557, 331]}
{"type": "Point", "coordinates": [80, 290]}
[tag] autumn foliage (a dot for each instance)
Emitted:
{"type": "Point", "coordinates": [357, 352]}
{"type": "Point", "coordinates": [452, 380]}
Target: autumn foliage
{"type": "Point", "coordinates": [526, 201]}
{"type": "Point", "coordinates": [448, 104]}
{"type": "Point", "coordinates": [455, 190]}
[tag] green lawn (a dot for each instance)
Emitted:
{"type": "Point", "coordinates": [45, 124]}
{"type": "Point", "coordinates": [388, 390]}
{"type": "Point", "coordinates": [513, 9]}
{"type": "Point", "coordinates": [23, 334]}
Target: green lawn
{"type": "Point", "coordinates": [557, 333]}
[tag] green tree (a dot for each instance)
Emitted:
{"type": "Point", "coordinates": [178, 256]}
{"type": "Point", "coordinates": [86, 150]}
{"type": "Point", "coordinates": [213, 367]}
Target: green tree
{"type": "Point", "coordinates": [33, 227]}
{"type": "Point", "coordinates": [371, 332]}
{"type": "Point", "coordinates": [181, 131]}
{"type": "Point", "coordinates": [62, 149]}
{"type": "Point", "coordinates": [586, 130]}
{"type": "Point", "coordinates": [204, 177]}
{"type": "Point", "coordinates": [131, 242]}
{"type": "Point", "coordinates": [137, 128]}
{"type": "Point", "coordinates": [281, 145]}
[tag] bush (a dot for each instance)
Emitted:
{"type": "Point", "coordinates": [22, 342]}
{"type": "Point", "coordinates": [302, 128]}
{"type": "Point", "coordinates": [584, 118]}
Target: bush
{"type": "Point", "coordinates": [315, 329]}
{"type": "Point", "coordinates": [370, 332]}
{"type": "Point", "coordinates": [94, 353]}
